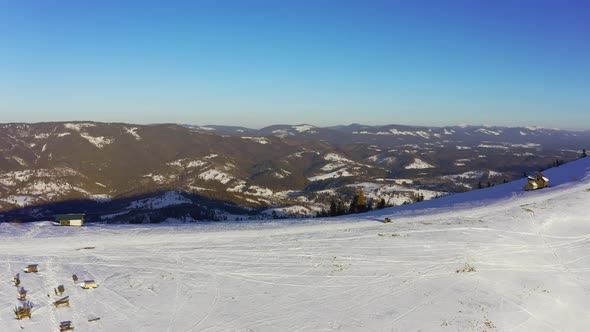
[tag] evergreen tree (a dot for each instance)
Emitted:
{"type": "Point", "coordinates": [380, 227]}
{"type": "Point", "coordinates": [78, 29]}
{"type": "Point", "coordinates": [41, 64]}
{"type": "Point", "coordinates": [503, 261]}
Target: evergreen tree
{"type": "Point", "coordinates": [584, 154]}
{"type": "Point", "coordinates": [333, 209]}
{"type": "Point", "coordinates": [361, 202]}
{"type": "Point", "coordinates": [354, 208]}
{"type": "Point", "coordinates": [340, 210]}
{"type": "Point", "coordinates": [381, 203]}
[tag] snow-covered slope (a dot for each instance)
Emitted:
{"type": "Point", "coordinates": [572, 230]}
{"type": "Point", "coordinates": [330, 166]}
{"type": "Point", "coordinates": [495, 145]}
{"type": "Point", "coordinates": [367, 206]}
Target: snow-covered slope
{"type": "Point", "coordinates": [496, 259]}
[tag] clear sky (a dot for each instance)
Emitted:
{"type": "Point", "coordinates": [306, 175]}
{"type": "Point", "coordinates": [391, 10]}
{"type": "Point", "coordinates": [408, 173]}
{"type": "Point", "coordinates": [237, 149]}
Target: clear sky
{"type": "Point", "coordinates": [323, 62]}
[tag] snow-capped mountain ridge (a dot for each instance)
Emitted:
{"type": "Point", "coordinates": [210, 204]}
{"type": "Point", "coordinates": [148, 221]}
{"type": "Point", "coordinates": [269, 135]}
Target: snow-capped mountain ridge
{"type": "Point", "coordinates": [113, 161]}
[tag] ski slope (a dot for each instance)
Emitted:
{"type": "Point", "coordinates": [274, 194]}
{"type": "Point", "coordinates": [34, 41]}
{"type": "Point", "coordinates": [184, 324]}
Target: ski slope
{"type": "Point", "coordinates": [496, 259]}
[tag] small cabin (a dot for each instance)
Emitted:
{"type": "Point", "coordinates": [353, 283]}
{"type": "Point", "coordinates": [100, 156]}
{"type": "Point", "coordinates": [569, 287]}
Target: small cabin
{"type": "Point", "coordinates": [70, 219]}
{"type": "Point", "coordinates": [88, 284]}
{"type": "Point", "coordinates": [63, 302]}
{"type": "Point", "coordinates": [23, 312]}
{"type": "Point", "coordinates": [66, 326]}
{"type": "Point", "coordinates": [538, 182]}
{"type": "Point", "coordinates": [59, 290]}
{"type": "Point", "coordinates": [32, 268]}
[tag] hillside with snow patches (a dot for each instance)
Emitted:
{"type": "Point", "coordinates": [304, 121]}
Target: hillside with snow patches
{"type": "Point", "coordinates": [495, 259]}
{"type": "Point", "coordinates": [109, 170]}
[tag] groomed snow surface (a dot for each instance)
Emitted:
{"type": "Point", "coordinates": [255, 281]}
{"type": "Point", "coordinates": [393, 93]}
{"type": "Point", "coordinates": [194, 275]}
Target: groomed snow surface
{"type": "Point", "coordinates": [496, 259]}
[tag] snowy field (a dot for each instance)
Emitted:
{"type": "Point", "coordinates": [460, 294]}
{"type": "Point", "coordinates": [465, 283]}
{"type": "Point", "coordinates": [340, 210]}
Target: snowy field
{"type": "Point", "coordinates": [496, 259]}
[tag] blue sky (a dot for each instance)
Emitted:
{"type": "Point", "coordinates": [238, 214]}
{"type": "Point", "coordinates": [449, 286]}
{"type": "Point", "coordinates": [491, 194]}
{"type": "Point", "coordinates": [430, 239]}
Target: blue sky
{"type": "Point", "coordinates": [256, 63]}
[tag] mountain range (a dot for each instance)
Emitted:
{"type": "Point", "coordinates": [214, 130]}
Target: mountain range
{"type": "Point", "coordinates": [109, 170]}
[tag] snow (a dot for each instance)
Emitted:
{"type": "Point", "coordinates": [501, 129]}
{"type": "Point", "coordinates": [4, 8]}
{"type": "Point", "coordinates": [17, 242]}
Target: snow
{"type": "Point", "coordinates": [259, 191]}
{"type": "Point", "coordinates": [418, 164]}
{"type": "Point", "coordinates": [289, 211]}
{"type": "Point", "coordinates": [529, 252]}
{"type": "Point", "coordinates": [195, 164]}
{"type": "Point", "coordinates": [215, 175]}
{"type": "Point", "coordinates": [282, 133]}
{"type": "Point", "coordinates": [19, 160]}
{"type": "Point", "coordinates": [133, 132]}
{"type": "Point", "coordinates": [381, 159]}
{"type": "Point", "coordinates": [237, 188]}
{"type": "Point", "coordinates": [40, 187]}
{"type": "Point", "coordinates": [526, 145]}
{"type": "Point", "coordinates": [187, 163]}
{"type": "Point", "coordinates": [169, 198]}
{"type": "Point", "coordinates": [526, 154]}
{"type": "Point", "coordinates": [338, 162]}
{"type": "Point", "coordinates": [101, 197]}
{"type": "Point", "coordinates": [336, 174]}
{"type": "Point", "coordinates": [259, 140]}
{"type": "Point", "coordinates": [156, 177]}
{"type": "Point", "coordinates": [395, 132]}
{"type": "Point", "coordinates": [472, 175]}
{"type": "Point", "coordinates": [332, 166]}
{"type": "Point", "coordinates": [78, 126]}
{"type": "Point", "coordinates": [197, 188]}
{"type": "Point", "coordinates": [489, 132]}
{"type": "Point", "coordinates": [42, 136]}
{"type": "Point", "coordinates": [494, 174]}
{"type": "Point", "coordinates": [18, 200]}
{"type": "Point", "coordinates": [336, 157]}
{"type": "Point", "coordinates": [281, 174]}
{"type": "Point", "coordinates": [177, 163]}
{"type": "Point", "coordinates": [99, 141]}
{"type": "Point", "coordinates": [12, 178]}
{"type": "Point", "coordinates": [492, 146]}
{"type": "Point", "coordinates": [113, 215]}
{"type": "Point", "coordinates": [303, 128]}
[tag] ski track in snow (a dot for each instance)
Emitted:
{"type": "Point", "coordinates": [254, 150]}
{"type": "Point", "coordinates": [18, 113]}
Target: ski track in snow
{"type": "Point", "coordinates": [530, 252]}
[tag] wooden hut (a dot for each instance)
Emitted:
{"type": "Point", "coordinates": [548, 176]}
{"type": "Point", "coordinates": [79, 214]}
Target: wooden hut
{"type": "Point", "coordinates": [88, 284]}
{"type": "Point", "coordinates": [66, 326]}
{"type": "Point", "coordinates": [70, 219]}
{"type": "Point", "coordinates": [63, 302]}
{"type": "Point", "coordinates": [32, 268]}
{"type": "Point", "coordinates": [23, 312]}
{"type": "Point", "coordinates": [537, 182]}
{"type": "Point", "coordinates": [59, 290]}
